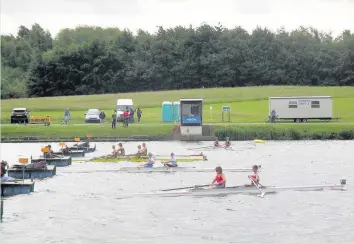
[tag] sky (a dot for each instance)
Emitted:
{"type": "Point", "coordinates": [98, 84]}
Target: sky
{"type": "Point", "coordinates": [54, 15]}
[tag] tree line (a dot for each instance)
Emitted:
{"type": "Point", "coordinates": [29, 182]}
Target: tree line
{"type": "Point", "coordinates": [94, 60]}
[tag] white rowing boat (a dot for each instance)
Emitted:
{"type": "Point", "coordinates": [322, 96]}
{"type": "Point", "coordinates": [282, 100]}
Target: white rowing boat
{"type": "Point", "coordinates": [240, 190]}
{"type": "Point", "coordinates": [180, 169]}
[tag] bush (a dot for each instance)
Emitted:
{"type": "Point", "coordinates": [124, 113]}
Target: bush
{"type": "Point", "coordinates": [284, 132]}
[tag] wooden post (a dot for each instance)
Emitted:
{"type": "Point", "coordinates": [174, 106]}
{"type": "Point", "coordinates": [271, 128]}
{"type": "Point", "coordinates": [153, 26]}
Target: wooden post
{"type": "Point", "coordinates": [62, 144]}
{"type": "Point", "coordinates": [23, 161]}
{"type": "Point", "coordinates": [45, 150]}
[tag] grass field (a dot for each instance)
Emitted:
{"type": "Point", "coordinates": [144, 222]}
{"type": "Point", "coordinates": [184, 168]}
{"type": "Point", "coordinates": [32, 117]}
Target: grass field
{"type": "Point", "coordinates": [56, 131]}
{"type": "Point", "coordinates": [248, 104]}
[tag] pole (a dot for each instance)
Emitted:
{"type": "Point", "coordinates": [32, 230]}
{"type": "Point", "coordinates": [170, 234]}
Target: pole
{"type": "Point", "coordinates": [211, 113]}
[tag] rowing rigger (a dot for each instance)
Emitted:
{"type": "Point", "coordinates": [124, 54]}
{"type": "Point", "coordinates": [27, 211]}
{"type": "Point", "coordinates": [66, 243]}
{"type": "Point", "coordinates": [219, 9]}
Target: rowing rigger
{"type": "Point", "coordinates": [202, 191]}
{"type": "Point", "coordinates": [180, 169]}
{"type": "Point", "coordinates": [164, 170]}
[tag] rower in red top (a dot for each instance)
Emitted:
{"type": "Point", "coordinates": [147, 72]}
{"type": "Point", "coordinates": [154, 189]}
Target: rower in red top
{"type": "Point", "coordinates": [220, 179]}
{"type": "Point", "coordinates": [254, 176]}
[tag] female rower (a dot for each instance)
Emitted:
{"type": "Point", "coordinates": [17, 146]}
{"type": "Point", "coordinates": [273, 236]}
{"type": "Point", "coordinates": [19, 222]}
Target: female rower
{"type": "Point", "coordinates": [220, 179]}
{"type": "Point", "coordinates": [144, 151]}
{"type": "Point", "coordinates": [172, 162]}
{"type": "Point", "coordinates": [121, 150]}
{"type": "Point", "coordinates": [254, 177]}
{"type": "Point", "coordinates": [150, 162]}
{"type": "Point", "coordinates": [227, 142]}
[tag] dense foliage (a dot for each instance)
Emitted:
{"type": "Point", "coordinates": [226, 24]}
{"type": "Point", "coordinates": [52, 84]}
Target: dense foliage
{"type": "Point", "coordinates": [246, 133]}
{"type": "Point", "coordinates": [89, 60]}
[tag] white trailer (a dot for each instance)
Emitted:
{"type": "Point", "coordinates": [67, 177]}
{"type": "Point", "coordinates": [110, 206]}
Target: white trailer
{"type": "Point", "coordinates": [302, 109]}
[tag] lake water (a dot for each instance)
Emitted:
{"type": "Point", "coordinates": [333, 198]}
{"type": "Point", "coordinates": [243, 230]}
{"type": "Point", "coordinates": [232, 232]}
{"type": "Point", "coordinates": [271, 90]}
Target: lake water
{"type": "Point", "coordinates": [76, 207]}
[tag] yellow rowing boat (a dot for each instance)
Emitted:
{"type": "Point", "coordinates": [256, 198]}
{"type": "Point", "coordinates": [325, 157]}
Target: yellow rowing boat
{"type": "Point", "coordinates": [135, 159]}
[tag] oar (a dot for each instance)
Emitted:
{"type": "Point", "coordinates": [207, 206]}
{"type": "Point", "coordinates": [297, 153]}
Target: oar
{"type": "Point", "coordinates": [183, 188]}
{"type": "Point", "coordinates": [262, 193]}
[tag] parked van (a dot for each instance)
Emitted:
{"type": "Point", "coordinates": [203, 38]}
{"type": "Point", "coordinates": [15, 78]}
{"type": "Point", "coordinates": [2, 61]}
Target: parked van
{"type": "Point", "coordinates": [122, 105]}
{"type": "Point", "coordinates": [302, 109]}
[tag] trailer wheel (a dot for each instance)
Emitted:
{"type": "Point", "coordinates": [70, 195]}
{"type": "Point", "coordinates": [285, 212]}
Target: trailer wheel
{"type": "Point", "coordinates": [304, 120]}
{"type": "Point", "coordinates": [297, 120]}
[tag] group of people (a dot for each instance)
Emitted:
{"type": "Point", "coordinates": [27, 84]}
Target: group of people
{"type": "Point", "coordinates": [226, 145]}
{"type": "Point", "coordinates": [151, 161]}
{"type": "Point", "coordinates": [128, 117]}
{"type": "Point", "coordinates": [220, 179]}
{"type": "Point", "coordinates": [120, 151]}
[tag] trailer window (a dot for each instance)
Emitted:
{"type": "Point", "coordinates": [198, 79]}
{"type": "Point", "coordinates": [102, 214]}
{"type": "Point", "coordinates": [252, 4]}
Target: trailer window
{"type": "Point", "coordinates": [315, 104]}
{"type": "Point", "coordinates": [292, 104]}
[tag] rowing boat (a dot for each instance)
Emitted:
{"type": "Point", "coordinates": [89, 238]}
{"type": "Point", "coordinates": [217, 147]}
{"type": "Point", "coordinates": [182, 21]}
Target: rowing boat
{"type": "Point", "coordinates": [135, 159]}
{"type": "Point", "coordinates": [179, 169]}
{"type": "Point", "coordinates": [72, 153]}
{"type": "Point", "coordinates": [239, 190]}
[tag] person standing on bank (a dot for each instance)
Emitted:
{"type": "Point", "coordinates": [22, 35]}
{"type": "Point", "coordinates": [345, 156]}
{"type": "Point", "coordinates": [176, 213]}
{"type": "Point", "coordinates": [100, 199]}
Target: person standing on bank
{"type": "Point", "coordinates": [126, 118]}
{"type": "Point", "coordinates": [131, 116]}
{"type": "Point", "coordinates": [138, 114]}
{"type": "Point", "coordinates": [102, 117]}
{"type": "Point", "coordinates": [273, 116]}
{"type": "Point", "coordinates": [114, 119]}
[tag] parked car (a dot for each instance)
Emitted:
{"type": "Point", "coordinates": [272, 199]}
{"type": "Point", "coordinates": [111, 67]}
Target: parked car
{"type": "Point", "coordinates": [20, 115]}
{"type": "Point", "coordinates": [92, 116]}
{"type": "Point", "coordinates": [122, 105]}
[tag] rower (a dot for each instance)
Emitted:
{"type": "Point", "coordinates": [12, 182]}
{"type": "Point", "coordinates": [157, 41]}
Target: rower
{"type": "Point", "coordinates": [255, 176]}
{"type": "Point", "coordinates": [220, 179]}
{"type": "Point", "coordinates": [172, 162]}
{"type": "Point", "coordinates": [139, 153]}
{"type": "Point", "coordinates": [144, 151]}
{"type": "Point", "coordinates": [216, 143]}
{"type": "Point", "coordinates": [227, 142]}
{"type": "Point", "coordinates": [66, 149]}
{"type": "Point", "coordinates": [121, 150]}
{"type": "Point", "coordinates": [114, 151]}
{"type": "Point", "coordinates": [150, 162]}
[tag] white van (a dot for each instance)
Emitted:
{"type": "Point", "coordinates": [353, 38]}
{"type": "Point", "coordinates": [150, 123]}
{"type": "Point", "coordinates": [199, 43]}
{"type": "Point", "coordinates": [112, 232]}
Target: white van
{"type": "Point", "coordinates": [122, 105]}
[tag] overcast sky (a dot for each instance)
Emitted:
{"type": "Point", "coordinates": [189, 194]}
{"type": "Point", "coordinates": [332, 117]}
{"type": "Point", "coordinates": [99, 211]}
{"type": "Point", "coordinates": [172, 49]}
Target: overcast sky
{"type": "Point", "coordinates": [326, 15]}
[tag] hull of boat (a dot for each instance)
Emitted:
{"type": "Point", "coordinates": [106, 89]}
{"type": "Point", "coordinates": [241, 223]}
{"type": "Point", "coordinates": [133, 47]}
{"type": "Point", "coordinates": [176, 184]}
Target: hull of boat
{"type": "Point", "coordinates": [74, 153]}
{"type": "Point", "coordinates": [85, 149]}
{"type": "Point", "coordinates": [178, 169]}
{"type": "Point", "coordinates": [144, 159]}
{"type": "Point", "coordinates": [240, 190]}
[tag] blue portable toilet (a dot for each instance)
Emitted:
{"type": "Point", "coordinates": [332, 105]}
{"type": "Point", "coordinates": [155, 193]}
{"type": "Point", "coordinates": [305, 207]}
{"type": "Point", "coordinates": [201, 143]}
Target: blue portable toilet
{"type": "Point", "coordinates": [176, 116]}
{"type": "Point", "coordinates": [167, 111]}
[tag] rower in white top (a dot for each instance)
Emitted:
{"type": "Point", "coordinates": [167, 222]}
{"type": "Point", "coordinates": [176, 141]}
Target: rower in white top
{"type": "Point", "coordinates": [172, 162]}
{"type": "Point", "coordinates": [150, 162]}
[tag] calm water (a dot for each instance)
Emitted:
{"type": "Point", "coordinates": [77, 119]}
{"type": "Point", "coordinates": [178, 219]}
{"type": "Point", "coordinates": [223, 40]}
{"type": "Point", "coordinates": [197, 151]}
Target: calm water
{"type": "Point", "coordinates": [76, 207]}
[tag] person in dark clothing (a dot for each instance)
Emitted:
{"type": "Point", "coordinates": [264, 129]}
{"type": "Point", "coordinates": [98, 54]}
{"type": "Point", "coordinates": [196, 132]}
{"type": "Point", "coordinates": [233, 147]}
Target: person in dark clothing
{"type": "Point", "coordinates": [102, 117]}
{"type": "Point", "coordinates": [131, 116]}
{"type": "Point", "coordinates": [114, 119]}
{"type": "Point", "coordinates": [3, 168]}
{"type": "Point", "coordinates": [138, 114]}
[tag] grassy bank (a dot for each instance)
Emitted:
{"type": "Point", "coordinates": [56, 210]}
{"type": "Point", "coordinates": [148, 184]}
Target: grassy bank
{"type": "Point", "coordinates": [235, 132]}
{"type": "Point", "coordinates": [82, 131]}
{"type": "Point", "coordinates": [286, 132]}
{"type": "Point", "coordinates": [248, 104]}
